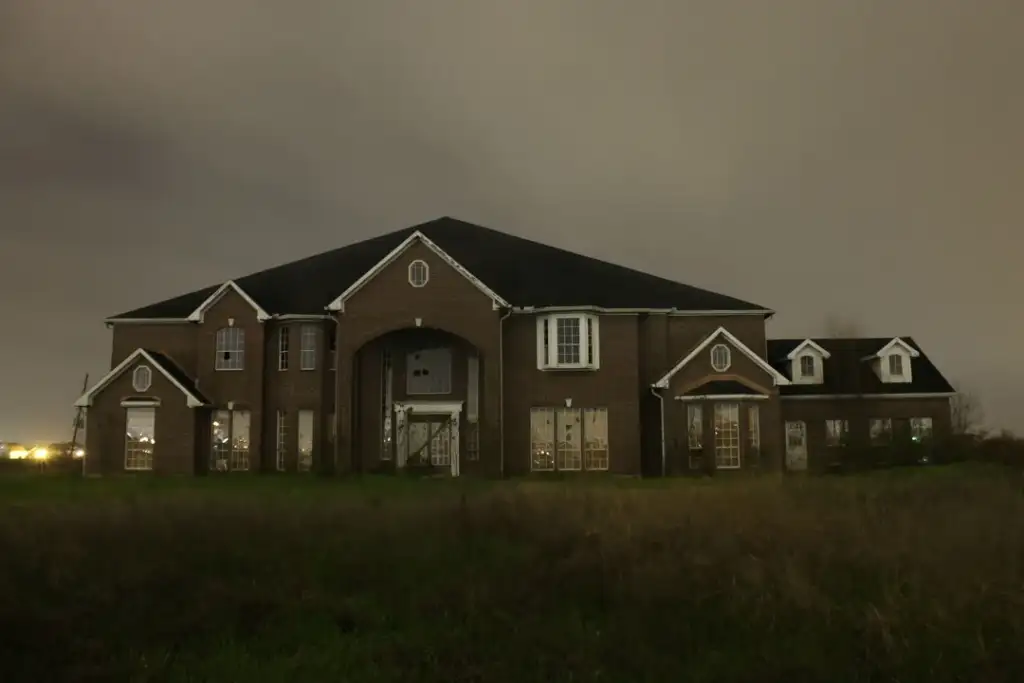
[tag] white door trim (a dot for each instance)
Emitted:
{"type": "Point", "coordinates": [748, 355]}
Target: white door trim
{"type": "Point", "coordinates": [451, 408]}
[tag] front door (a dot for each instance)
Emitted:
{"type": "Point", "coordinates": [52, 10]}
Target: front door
{"type": "Point", "coordinates": [796, 446]}
{"type": "Point", "coordinates": [427, 436]}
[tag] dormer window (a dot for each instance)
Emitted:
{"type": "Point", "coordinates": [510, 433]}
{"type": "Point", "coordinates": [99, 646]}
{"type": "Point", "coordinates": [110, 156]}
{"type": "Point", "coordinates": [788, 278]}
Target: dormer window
{"type": "Point", "coordinates": [896, 365]}
{"type": "Point", "coordinates": [567, 342]}
{"type": "Point", "coordinates": [806, 366]}
{"type": "Point", "coordinates": [807, 362]}
{"type": "Point", "coordinates": [892, 362]}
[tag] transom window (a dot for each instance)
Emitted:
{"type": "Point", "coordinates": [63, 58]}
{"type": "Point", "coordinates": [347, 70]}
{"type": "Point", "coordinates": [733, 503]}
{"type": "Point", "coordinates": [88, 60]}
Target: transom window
{"type": "Point", "coordinates": [721, 358]}
{"type": "Point", "coordinates": [307, 347]}
{"type": "Point", "coordinates": [567, 342]}
{"type": "Point", "coordinates": [807, 366]}
{"type": "Point", "coordinates": [727, 436]}
{"type": "Point", "coordinates": [230, 349]}
{"type": "Point", "coordinates": [569, 439]}
{"type": "Point", "coordinates": [142, 378]}
{"type": "Point", "coordinates": [896, 365]}
{"type": "Point", "coordinates": [139, 441]}
{"type": "Point", "coordinates": [419, 273]}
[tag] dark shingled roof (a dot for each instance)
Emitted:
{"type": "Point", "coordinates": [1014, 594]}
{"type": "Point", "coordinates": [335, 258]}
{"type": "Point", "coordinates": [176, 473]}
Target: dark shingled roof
{"type": "Point", "coordinates": [175, 371]}
{"type": "Point", "coordinates": [723, 387]}
{"type": "Point", "coordinates": [521, 271]}
{"type": "Point", "coordinates": [847, 373]}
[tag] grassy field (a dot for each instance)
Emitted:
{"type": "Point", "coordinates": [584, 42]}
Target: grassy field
{"type": "Point", "coordinates": [898, 576]}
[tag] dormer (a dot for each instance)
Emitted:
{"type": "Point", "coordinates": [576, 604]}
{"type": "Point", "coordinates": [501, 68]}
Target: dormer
{"type": "Point", "coordinates": [807, 362]}
{"type": "Point", "coordinates": [892, 362]}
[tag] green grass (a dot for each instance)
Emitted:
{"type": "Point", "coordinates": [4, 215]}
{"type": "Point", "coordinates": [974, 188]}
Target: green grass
{"type": "Point", "coordinates": [895, 576]}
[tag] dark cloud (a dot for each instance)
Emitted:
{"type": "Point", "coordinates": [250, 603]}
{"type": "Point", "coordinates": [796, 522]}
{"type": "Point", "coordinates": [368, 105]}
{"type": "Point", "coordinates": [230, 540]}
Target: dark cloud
{"type": "Point", "coordinates": [823, 157]}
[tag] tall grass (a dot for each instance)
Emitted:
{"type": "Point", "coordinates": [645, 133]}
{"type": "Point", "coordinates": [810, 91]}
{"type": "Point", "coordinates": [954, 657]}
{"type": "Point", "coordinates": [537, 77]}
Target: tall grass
{"type": "Point", "coordinates": [886, 576]}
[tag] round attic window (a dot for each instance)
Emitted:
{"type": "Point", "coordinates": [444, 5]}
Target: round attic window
{"type": "Point", "coordinates": [419, 273]}
{"type": "Point", "coordinates": [142, 378]}
{"type": "Point", "coordinates": [721, 358]}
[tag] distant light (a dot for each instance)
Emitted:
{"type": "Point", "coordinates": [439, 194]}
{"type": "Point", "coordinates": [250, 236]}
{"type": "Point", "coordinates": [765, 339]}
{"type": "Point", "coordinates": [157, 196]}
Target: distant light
{"type": "Point", "coordinates": [79, 452]}
{"type": "Point", "coordinates": [19, 454]}
{"type": "Point", "coordinates": [40, 453]}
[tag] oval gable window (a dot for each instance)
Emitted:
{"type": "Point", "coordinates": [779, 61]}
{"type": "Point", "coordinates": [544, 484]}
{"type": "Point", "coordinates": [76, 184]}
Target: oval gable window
{"type": "Point", "coordinates": [419, 273]}
{"type": "Point", "coordinates": [721, 358]}
{"type": "Point", "coordinates": [142, 378]}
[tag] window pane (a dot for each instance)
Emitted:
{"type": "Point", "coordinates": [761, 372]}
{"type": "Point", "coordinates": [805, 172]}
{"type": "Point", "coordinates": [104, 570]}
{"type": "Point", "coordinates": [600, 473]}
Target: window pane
{"type": "Point", "coordinates": [569, 452]}
{"type": "Point", "coordinates": [440, 443]}
{"type": "Point", "coordinates": [880, 431]}
{"type": "Point", "coordinates": [240, 420]}
{"type": "Point", "coordinates": [595, 435]}
{"type": "Point", "coordinates": [139, 438]}
{"type": "Point", "coordinates": [567, 340]}
{"type": "Point", "coordinates": [307, 343]}
{"type": "Point", "coordinates": [895, 365]}
{"type": "Point", "coordinates": [836, 432]}
{"type": "Point", "coordinates": [807, 366]}
{"type": "Point", "coordinates": [727, 435]}
{"type": "Point", "coordinates": [230, 348]}
{"type": "Point", "coordinates": [695, 427]}
{"type": "Point", "coordinates": [473, 388]}
{"type": "Point", "coordinates": [305, 461]}
{"type": "Point", "coordinates": [542, 439]}
{"type": "Point", "coordinates": [282, 440]}
{"type": "Point", "coordinates": [220, 427]}
{"type": "Point", "coordinates": [920, 428]}
{"type": "Point", "coordinates": [282, 348]}
{"type": "Point", "coordinates": [387, 407]}
{"type": "Point", "coordinates": [428, 371]}
{"type": "Point", "coordinates": [754, 427]}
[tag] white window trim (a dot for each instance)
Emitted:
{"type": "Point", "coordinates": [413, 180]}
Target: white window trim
{"type": "Point", "coordinates": [152, 458]}
{"type": "Point", "coordinates": [557, 415]}
{"type": "Point", "coordinates": [590, 339]}
{"type": "Point", "coordinates": [141, 386]}
{"type": "Point", "coordinates": [217, 350]}
{"type": "Point", "coordinates": [426, 273]}
{"type": "Point", "coordinates": [728, 357]}
{"type": "Point", "coordinates": [283, 348]}
{"type": "Point", "coordinates": [307, 354]}
{"type": "Point", "coordinates": [730, 407]}
{"type": "Point", "coordinates": [281, 451]}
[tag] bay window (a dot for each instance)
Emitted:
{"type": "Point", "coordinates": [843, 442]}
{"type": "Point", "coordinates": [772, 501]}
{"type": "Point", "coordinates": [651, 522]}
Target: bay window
{"type": "Point", "coordinates": [568, 342]}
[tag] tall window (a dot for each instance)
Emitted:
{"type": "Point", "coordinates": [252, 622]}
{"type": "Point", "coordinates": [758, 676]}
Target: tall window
{"type": "Point", "coordinates": [305, 463]}
{"type": "Point", "coordinates": [920, 429]}
{"type": "Point", "coordinates": [694, 434]}
{"type": "Point", "coordinates": [386, 404]}
{"type": "Point", "coordinates": [837, 433]}
{"type": "Point", "coordinates": [332, 346]}
{"type": "Point", "coordinates": [283, 343]}
{"type": "Point", "coordinates": [230, 440]}
{"type": "Point", "coordinates": [880, 431]}
{"type": "Point", "coordinates": [240, 422]}
{"type": "Point", "coordinates": [807, 366]}
{"type": "Point", "coordinates": [569, 439]}
{"type": "Point", "coordinates": [896, 365]}
{"type": "Point", "coordinates": [567, 340]}
{"type": "Point", "coordinates": [754, 428]}
{"type": "Point", "coordinates": [282, 440]}
{"type": "Point", "coordinates": [727, 436]}
{"type": "Point", "coordinates": [307, 347]}
{"type": "Point", "coordinates": [230, 349]}
{"type": "Point", "coordinates": [139, 438]}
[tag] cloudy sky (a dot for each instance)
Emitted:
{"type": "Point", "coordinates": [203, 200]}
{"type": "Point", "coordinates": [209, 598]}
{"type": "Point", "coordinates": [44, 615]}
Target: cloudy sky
{"type": "Point", "coordinates": [858, 160]}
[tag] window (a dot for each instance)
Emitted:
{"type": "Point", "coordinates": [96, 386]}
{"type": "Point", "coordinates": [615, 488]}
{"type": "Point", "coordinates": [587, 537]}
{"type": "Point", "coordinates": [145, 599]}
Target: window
{"type": "Point", "coordinates": [305, 462]}
{"type": "Point", "coordinates": [386, 405]}
{"type": "Point", "coordinates": [142, 378]}
{"type": "Point", "coordinates": [568, 342]}
{"type": "Point", "coordinates": [920, 429]}
{"type": "Point", "coordinates": [230, 440]}
{"type": "Point", "coordinates": [880, 430]}
{"type": "Point", "coordinates": [896, 365]}
{"type": "Point", "coordinates": [721, 358]}
{"type": "Point", "coordinates": [695, 434]}
{"type": "Point", "coordinates": [754, 428]}
{"type": "Point", "coordinates": [473, 388]}
{"type": "Point", "coordinates": [419, 273]}
{"type": "Point", "coordinates": [568, 439]}
{"type": "Point", "coordinates": [138, 441]}
{"type": "Point", "coordinates": [307, 347]}
{"type": "Point", "coordinates": [807, 366]}
{"type": "Point", "coordinates": [472, 431]}
{"type": "Point", "coordinates": [837, 433]}
{"type": "Point", "coordinates": [282, 348]}
{"type": "Point", "coordinates": [332, 346]}
{"type": "Point", "coordinates": [282, 440]}
{"type": "Point", "coordinates": [727, 435]}
{"type": "Point", "coordinates": [230, 349]}
{"type": "Point", "coordinates": [428, 371]}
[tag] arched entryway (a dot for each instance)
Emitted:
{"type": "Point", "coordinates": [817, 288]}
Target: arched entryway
{"type": "Point", "coordinates": [416, 402]}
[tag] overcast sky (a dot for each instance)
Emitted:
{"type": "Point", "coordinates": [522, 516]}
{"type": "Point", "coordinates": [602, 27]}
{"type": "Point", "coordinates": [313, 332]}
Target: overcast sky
{"type": "Point", "coordinates": [854, 159]}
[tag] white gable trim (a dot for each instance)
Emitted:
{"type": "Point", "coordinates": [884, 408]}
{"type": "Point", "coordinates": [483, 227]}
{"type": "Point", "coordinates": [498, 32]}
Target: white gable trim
{"type": "Point", "coordinates": [888, 348]}
{"type": "Point", "coordinates": [339, 303]}
{"type": "Point", "coordinates": [197, 315]}
{"type": "Point", "coordinates": [191, 400]}
{"type": "Point", "coordinates": [808, 344]}
{"type": "Point", "coordinates": [780, 379]}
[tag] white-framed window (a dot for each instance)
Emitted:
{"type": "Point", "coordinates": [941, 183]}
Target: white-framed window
{"type": "Point", "coordinates": [230, 349]}
{"type": "Point", "coordinates": [139, 440]}
{"type": "Point", "coordinates": [142, 378]}
{"type": "Point", "coordinates": [837, 433]}
{"type": "Point", "coordinates": [694, 434]}
{"type": "Point", "coordinates": [754, 427]}
{"type": "Point", "coordinates": [282, 440]}
{"type": "Point", "coordinates": [895, 365]}
{"type": "Point", "coordinates": [727, 436]}
{"type": "Point", "coordinates": [283, 345]}
{"type": "Point", "coordinates": [920, 429]}
{"type": "Point", "coordinates": [807, 366]}
{"type": "Point", "coordinates": [419, 273]}
{"type": "Point", "coordinates": [721, 358]}
{"type": "Point", "coordinates": [386, 405]}
{"type": "Point", "coordinates": [428, 372]}
{"type": "Point", "coordinates": [568, 342]}
{"type": "Point", "coordinates": [569, 439]}
{"type": "Point", "coordinates": [305, 459]}
{"type": "Point", "coordinates": [229, 432]}
{"type": "Point", "coordinates": [880, 431]}
{"type": "Point", "coordinates": [307, 347]}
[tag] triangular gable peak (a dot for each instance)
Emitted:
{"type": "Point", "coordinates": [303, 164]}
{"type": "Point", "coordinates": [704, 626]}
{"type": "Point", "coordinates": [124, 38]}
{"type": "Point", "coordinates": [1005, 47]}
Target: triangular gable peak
{"type": "Point", "coordinates": [895, 345]}
{"type": "Point", "coordinates": [808, 345]}
{"type": "Point", "coordinates": [892, 363]}
{"type": "Point", "coordinates": [721, 332]}
{"type": "Point", "coordinates": [85, 400]}
{"type": "Point", "coordinates": [339, 303]}
{"type": "Point", "coordinates": [197, 315]}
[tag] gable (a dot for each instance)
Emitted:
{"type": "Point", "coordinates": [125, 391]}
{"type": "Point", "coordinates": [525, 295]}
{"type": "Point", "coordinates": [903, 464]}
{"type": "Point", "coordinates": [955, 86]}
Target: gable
{"type": "Point", "coordinates": [228, 287]}
{"type": "Point", "coordinates": [703, 350]}
{"type": "Point", "coordinates": [157, 363]}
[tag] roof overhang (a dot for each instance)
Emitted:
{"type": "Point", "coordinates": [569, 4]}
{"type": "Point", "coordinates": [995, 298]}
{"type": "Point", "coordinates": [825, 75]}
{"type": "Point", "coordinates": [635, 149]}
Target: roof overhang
{"type": "Point", "coordinates": [85, 400]}
{"type": "Point", "coordinates": [721, 332]}
{"type": "Point", "coordinates": [635, 311]}
{"type": "Point", "coordinates": [339, 303]}
{"type": "Point", "coordinates": [723, 397]}
{"type": "Point", "coordinates": [896, 343]}
{"type": "Point", "coordinates": [808, 344]}
{"type": "Point", "coordinates": [825, 397]}
{"type": "Point", "coordinates": [197, 315]}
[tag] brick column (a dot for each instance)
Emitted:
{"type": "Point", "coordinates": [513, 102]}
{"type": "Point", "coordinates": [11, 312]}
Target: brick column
{"type": "Point", "coordinates": [343, 377]}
